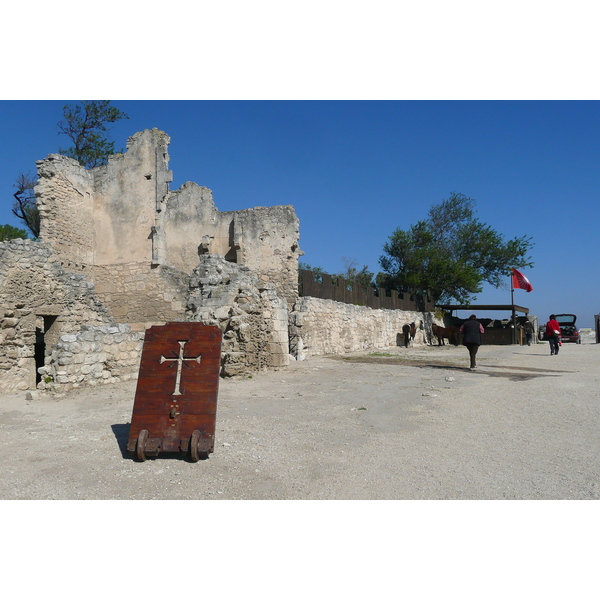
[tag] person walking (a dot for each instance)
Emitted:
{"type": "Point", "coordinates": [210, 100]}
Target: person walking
{"type": "Point", "coordinates": [528, 327]}
{"type": "Point", "coordinates": [553, 334]}
{"type": "Point", "coordinates": [472, 331]}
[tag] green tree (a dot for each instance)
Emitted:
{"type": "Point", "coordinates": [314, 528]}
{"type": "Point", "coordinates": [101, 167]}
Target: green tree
{"type": "Point", "coordinates": [449, 255]}
{"type": "Point", "coordinates": [85, 124]}
{"type": "Point", "coordinates": [317, 271]}
{"type": "Point", "coordinates": [363, 279]}
{"type": "Point", "coordinates": [8, 232]}
{"type": "Point", "coordinates": [24, 206]}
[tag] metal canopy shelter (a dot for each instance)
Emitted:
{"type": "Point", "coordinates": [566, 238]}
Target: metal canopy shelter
{"type": "Point", "coordinates": [513, 308]}
{"type": "Point", "coordinates": [474, 307]}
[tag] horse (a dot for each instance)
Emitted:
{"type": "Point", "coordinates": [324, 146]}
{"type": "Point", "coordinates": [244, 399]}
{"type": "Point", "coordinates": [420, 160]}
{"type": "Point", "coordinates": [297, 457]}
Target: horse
{"type": "Point", "coordinates": [413, 332]}
{"type": "Point", "coordinates": [445, 332]}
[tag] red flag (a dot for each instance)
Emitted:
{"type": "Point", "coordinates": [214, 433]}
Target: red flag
{"type": "Point", "coordinates": [520, 281]}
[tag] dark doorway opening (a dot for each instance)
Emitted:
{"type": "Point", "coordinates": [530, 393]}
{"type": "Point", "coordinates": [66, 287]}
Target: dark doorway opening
{"type": "Point", "coordinates": [41, 335]}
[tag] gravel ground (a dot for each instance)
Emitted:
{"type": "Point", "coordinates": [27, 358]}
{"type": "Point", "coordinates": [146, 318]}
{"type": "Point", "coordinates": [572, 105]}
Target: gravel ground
{"type": "Point", "coordinates": [405, 424]}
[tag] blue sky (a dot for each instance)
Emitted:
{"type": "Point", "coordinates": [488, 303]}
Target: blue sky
{"type": "Point", "coordinates": [356, 170]}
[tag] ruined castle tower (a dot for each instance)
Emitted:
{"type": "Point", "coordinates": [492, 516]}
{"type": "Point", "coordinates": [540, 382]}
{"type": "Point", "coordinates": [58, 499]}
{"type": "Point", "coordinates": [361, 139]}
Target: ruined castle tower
{"type": "Point", "coordinates": [120, 251]}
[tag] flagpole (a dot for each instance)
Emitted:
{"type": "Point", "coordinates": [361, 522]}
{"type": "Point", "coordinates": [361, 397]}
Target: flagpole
{"type": "Point", "coordinates": [512, 307]}
{"type": "Point", "coordinates": [512, 289]}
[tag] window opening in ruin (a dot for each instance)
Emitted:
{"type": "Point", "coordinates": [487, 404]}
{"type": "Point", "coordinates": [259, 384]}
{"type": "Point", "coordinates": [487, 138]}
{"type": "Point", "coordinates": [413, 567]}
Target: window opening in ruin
{"type": "Point", "coordinates": [204, 247]}
{"type": "Point", "coordinates": [231, 255]}
{"type": "Point", "coordinates": [43, 337]}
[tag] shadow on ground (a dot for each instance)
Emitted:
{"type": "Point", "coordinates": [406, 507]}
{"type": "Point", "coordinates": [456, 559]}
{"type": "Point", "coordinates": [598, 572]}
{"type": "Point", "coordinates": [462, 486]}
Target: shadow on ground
{"type": "Point", "coordinates": [514, 373]}
{"type": "Point", "coordinates": [121, 433]}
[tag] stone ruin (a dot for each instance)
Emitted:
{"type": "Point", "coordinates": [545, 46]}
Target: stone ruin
{"type": "Point", "coordinates": [120, 252]}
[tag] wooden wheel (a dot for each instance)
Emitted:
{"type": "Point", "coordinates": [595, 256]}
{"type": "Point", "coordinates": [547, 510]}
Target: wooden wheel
{"type": "Point", "coordinates": [141, 444]}
{"type": "Point", "coordinates": [194, 454]}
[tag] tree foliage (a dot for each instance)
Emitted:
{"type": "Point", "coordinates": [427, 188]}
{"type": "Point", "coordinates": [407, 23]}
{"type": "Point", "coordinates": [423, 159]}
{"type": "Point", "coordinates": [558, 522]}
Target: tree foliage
{"type": "Point", "coordinates": [85, 124]}
{"type": "Point", "coordinates": [362, 278]}
{"type": "Point", "coordinates": [449, 255]}
{"type": "Point", "coordinates": [24, 206]}
{"type": "Point", "coordinates": [353, 277]}
{"type": "Point", "coordinates": [317, 271]}
{"type": "Point", "coordinates": [8, 232]}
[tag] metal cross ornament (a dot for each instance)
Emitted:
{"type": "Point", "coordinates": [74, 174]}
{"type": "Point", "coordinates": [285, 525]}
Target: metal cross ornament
{"type": "Point", "coordinates": [180, 360]}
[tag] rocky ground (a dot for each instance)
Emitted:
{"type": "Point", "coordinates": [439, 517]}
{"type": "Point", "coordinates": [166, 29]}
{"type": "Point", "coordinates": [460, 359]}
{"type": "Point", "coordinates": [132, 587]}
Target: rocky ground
{"type": "Point", "coordinates": [391, 424]}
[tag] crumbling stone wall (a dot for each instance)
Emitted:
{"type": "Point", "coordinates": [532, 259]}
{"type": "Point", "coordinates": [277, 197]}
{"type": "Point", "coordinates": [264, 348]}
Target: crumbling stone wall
{"type": "Point", "coordinates": [138, 241]}
{"type": "Point", "coordinates": [55, 334]}
{"type": "Point", "coordinates": [94, 355]}
{"type": "Point", "coordinates": [121, 252]}
{"type": "Point", "coordinates": [320, 327]}
{"type": "Point", "coordinates": [262, 239]}
{"type": "Point", "coordinates": [269, 246]}
{"type": "Point", "coordinates": [64, 198]}
{"type": "Point", "coordinates": [253, 319]}
{"type": "Point", "coordinates": [138, 296]}
{"type": "Point", "coordinates": [38, 297]}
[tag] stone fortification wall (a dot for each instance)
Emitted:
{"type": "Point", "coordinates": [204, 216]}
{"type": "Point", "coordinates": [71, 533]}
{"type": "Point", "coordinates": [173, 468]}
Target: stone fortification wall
{"type": "Point", "coordinates": [191, 225]}
{"type": "Point", "coordinates": [129, 193]}
{"type": "Point", "coordinates": [253, 319]}
{"type": "Point", "coordinates": [121, 251]}
{"type": "Point", "coordinates": [65, 201]}
{"type": "Point", "coordinates": [320, 327]}
{"type": "Point", "coordinates": [264, 239]}
{"type": "Point", "coordinates": [269, 246]}
{"type": "Point", "coordinates": [138, 296]}
{"type": "Point", "coordinates": [122, 226]}
{"type": "Point", "coordinates": [39, 301]}
{"type": "Point", "coordinates": [92, 356]}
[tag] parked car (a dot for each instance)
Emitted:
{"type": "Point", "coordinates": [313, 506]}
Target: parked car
{"type": "Point", "coordinates": [569, 332]}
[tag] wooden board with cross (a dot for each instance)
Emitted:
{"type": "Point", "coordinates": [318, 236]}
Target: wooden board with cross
{"type": "Point", "coordinates": [175, 404]}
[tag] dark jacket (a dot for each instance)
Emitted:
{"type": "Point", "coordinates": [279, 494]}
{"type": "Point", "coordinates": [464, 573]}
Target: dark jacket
{"type": "Point", "coordinates": [471, 331]}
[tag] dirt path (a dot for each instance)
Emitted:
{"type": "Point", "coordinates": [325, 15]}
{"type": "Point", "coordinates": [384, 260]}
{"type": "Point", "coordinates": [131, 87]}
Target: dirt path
{"type": "Point", "coordinates": [395, 424]}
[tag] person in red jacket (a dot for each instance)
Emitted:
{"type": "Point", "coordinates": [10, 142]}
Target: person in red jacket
{"type": "Point", "coordinates": [553, 334]}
